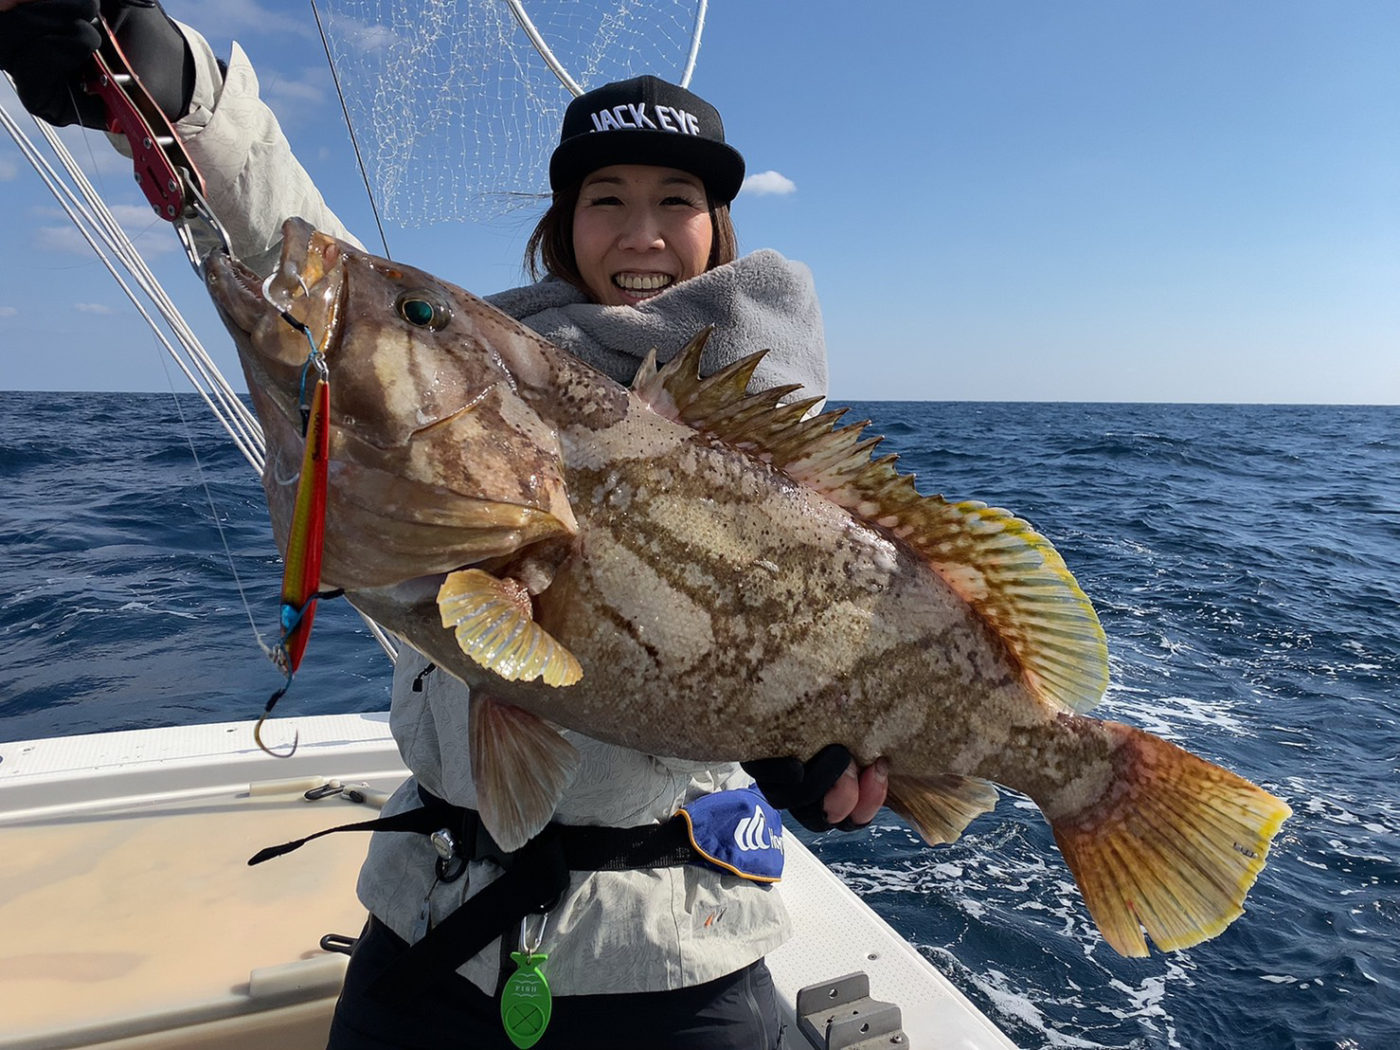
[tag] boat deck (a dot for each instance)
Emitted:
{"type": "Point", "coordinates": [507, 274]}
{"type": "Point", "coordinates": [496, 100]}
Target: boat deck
{"type": "Point", "coordinates": [132, 919]}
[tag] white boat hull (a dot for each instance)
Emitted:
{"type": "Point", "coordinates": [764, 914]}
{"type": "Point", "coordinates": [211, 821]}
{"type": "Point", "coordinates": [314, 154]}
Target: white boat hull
{"type": "Point", "coordinates": [131, 918]}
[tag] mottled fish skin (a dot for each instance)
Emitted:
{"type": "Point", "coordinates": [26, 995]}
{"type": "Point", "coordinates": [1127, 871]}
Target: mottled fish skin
{"type": "Point", "coordinates": [719, 609]}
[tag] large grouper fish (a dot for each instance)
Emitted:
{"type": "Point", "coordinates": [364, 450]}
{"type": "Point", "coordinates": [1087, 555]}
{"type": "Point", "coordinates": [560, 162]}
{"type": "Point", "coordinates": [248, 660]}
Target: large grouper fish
{"type": "Point", "coordinates": [692, 570]}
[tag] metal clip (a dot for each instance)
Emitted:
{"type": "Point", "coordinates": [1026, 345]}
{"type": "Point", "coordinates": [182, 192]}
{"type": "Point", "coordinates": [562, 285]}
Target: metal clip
{"type": "Point", "coordinates": [326, 790]}
{"type": "Point", "coordinates": [197, 210]}
{"type": "Point", "coordinates": [530, 945]}
{"type": "Point", "coordinates": [450, 863]}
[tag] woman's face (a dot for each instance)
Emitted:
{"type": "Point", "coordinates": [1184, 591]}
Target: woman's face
{"type": "Point", "coordinates": [638, 230]}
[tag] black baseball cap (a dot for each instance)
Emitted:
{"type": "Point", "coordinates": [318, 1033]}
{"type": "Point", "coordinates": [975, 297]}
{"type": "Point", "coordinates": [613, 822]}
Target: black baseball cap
{"type": "Point", "coordinates": [646, 121]}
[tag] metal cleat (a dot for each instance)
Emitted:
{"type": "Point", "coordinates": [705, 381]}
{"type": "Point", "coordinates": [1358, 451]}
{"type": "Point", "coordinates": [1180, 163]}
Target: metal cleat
{"type": "Point", "coordinates": [841, 1015]}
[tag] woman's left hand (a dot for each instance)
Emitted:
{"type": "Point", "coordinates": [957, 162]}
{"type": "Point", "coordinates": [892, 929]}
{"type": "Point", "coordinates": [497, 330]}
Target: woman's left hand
{"type": "Point", "coordinates": [827, 791]}
{"type": "Point", "coordinates": [855, 798]}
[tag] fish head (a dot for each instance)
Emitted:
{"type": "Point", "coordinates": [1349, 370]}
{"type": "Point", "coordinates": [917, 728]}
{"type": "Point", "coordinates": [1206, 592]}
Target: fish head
{"type": "Point", "coordinates": [436, 460]}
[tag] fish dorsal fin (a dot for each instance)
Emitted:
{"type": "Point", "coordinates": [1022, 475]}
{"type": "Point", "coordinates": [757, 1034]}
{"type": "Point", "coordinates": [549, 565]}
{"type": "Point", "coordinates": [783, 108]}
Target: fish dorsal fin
{"type": "Point", "coordinates": [1010, 575]}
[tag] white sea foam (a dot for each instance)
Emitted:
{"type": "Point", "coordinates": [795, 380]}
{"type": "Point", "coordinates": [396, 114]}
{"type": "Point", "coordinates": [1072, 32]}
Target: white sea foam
{"type": "Point", "coordinates": [134, 606]}
{"type": "Point", "coordinates": [1166, 715]}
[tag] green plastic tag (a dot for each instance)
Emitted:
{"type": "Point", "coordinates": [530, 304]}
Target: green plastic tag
{"type": "Point", "coordinates": [525, 1001]}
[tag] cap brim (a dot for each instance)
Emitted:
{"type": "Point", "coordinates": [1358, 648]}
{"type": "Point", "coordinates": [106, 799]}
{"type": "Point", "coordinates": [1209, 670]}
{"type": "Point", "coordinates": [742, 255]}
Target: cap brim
{"type": "Point", "coordinates": [718, 165]}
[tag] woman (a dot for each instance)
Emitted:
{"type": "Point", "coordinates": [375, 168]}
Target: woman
{"type": "Point", "coordinates": [639, 252]}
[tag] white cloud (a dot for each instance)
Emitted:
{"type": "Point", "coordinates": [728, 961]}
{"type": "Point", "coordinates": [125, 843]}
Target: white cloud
{"type": "Point", "coordinates": [227, 18]}
{"type": "Point", "coordinates": [371, 37]}
{"type": "Point", "coordinates": [294, 99]}
{"type": "Point", "coordinates": [94, 154]}
{"type": "Point", "coordinates": [769, 184]}
{"type": "Point", "coordinates": [137, 218]}
{"type": "Point", "coordinates": [8, 169]}
{"type": "Point", "coordinates": [151, 236]}
{"type": "Point", "coordinates": [60, 239]}
{"type": "Point", "coordinates": [8, 311]}
{"type": "Point", "coordinates": [92, 308]}
{"type": "Point", "coordinates": [355, 35]}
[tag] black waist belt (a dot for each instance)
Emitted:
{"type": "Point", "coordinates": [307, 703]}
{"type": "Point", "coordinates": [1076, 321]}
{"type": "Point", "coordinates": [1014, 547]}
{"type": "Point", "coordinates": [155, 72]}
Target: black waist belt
{"type": "Point", "coordinates": [535, 876]}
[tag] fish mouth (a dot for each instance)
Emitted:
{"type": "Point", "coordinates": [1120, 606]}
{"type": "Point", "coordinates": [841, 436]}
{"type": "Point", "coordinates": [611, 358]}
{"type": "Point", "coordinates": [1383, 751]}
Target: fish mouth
{"type": "Point", "coordinates": [301, 299]}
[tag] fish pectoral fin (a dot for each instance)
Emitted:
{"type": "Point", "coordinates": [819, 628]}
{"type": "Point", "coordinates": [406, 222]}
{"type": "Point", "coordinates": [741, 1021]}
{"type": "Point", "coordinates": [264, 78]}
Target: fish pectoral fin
{"type": "Point", "coordinates": [495, 626]}
{"type": "Point", "coordinates": [940, 807]}
{"type": "Point", "coordinates": [1172, 847]}
{"type": "Point", "coordinates": [521, 767]}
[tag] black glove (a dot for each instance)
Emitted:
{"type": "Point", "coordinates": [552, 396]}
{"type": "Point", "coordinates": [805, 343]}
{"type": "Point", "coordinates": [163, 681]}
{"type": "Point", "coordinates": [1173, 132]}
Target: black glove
{"type": "Point", "coordinates": [46, 44]}
{"type": "Point", "coordinates": [799, 787]}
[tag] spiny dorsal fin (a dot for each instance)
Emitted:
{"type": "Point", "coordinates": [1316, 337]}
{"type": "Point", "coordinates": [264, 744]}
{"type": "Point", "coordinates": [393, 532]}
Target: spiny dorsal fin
{"type": "Point", "coordinates": [1007, 572]}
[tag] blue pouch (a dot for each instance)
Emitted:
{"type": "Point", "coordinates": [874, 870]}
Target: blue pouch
{"type": "Point", "coordinates": [739, 832]}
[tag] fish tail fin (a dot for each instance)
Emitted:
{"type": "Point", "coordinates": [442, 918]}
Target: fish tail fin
{"type": "Point", "coordinates": [940, 807]}
{"type": "Point", "coordinates": [1171, 848]}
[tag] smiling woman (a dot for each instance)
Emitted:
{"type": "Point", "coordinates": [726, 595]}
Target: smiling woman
{"type": "Point", "coordinates": [642, 181]}
{"type": "Point", "coordinates": [638, 230]}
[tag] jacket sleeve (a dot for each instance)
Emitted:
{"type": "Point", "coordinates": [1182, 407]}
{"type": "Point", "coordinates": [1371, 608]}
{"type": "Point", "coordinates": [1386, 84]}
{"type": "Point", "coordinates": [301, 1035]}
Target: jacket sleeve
{"type": "Point", "coordinates": [253, 180]}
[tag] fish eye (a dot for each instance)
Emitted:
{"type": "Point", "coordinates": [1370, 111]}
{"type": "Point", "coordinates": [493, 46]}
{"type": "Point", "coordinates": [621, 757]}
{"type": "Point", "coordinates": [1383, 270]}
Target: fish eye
{"type": "Point", "coordinates": [423, 309]}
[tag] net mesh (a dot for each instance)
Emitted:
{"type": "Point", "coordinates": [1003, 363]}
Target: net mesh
{"type": "Point", "coordinates": [454, 108]}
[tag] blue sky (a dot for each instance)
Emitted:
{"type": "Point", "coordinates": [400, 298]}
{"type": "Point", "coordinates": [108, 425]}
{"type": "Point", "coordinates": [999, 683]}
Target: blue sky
{"type": "Point", "coordinates": [1071, 201]}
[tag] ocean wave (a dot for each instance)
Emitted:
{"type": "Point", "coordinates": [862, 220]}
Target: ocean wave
{"type": "Point", "coordinates": [1242, 558]}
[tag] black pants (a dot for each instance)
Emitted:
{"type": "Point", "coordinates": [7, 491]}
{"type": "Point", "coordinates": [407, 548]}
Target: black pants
{"type": "Point", "coordinates": [736, 1012]}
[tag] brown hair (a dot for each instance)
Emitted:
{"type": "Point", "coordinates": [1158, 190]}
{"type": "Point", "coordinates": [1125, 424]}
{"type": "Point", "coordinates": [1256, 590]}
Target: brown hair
{"type": "Point", "coordinates": [550, 249]}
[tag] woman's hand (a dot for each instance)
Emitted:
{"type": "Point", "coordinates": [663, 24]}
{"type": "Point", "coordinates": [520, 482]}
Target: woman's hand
{"type": "Point", "coordinates": [45, 44]}
{"type": "Point", "coordinates": [827, 791]}
{"type": "Point", "coordinates": [857, 796]}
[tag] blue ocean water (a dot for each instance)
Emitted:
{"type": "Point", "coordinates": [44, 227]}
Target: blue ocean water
{"type": "Point", "coordinates": [1244, 560]}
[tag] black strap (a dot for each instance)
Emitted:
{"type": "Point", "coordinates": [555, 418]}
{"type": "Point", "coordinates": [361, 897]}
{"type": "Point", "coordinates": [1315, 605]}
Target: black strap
{"type": "Point", "coordinates": [535, 878]}
{"type": "Point", "coordinates": [584, 847]}
{"type": "Point", "coordinates": [533, 884]}
{"type": "Point", "coordinates": [424, 820]}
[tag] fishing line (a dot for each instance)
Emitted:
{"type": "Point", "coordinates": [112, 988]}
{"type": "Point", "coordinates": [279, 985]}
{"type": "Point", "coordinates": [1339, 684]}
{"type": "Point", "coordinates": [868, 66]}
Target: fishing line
{"type": "Point", "coordinates": [109, 241]}
{"type": "Point", "coordinates": [214, 513]}
{"type": "Point", "coordinates": [350, 127]}
{"type": "Point", "coordinates": [200, 472]}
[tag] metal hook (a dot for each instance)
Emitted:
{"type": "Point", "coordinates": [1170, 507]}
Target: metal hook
{"type": "Point", "coordinates": [526, 945]}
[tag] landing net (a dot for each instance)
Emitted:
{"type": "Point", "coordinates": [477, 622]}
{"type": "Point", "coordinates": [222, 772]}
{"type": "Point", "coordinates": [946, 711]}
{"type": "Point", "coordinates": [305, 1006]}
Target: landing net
{"type": "Point", "coordinates": [456, 104]}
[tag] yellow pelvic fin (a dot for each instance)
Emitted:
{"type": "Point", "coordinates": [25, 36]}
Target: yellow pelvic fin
{"type": "Point", "coordinates": [521, 767]}
{"type": "Point", "coordinates": [940, 807]}
{"type": "Point", "coordinates": [1173, 847]}
{"type": "Point", "coordinates": [494, 625]}
{"type": "Point", "coordinates": [1010, 575]}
